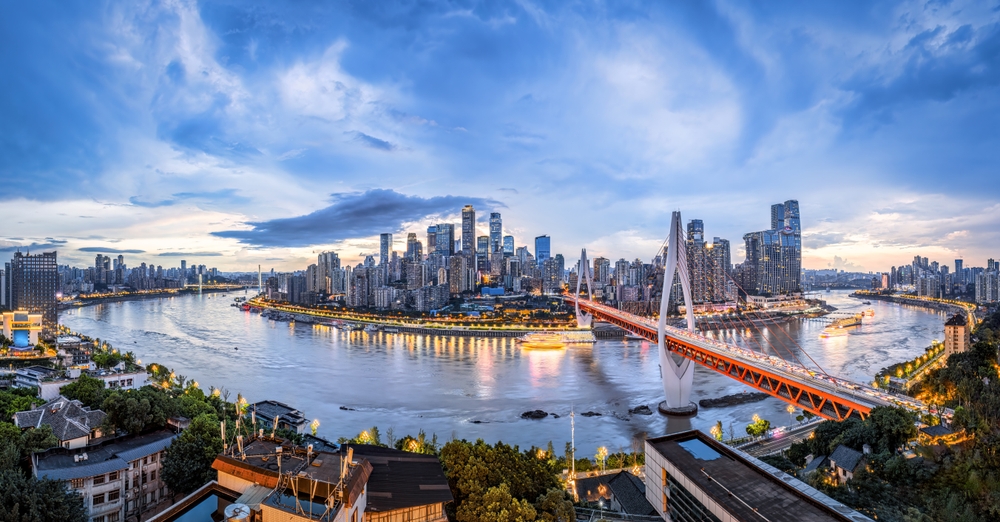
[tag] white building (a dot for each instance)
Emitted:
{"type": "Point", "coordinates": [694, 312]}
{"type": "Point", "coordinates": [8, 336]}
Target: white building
{"type": "Point", "coordinates": [113, 380]}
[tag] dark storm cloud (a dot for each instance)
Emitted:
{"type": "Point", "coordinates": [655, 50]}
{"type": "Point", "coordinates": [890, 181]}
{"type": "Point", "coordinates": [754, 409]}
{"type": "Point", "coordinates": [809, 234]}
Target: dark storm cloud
{"type": "Point", "coordinates": [937, 66]}
{"type": "Point", "coordinates": [352, 215]}
{"type": "Point", "coordinates": [102, 250]}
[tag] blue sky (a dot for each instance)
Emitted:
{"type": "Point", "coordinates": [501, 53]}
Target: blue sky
{"type": "Point", "coordinates": [246, 133]}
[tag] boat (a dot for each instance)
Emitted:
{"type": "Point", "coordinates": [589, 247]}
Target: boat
{"type": "Point", "coordinates": [867, 303]}
{"type": "Point", "coordinates": [560, 337]}
{"type": "Point", "coordinates": [541, 341]}
{"type": "Point", "coordinates": [839, 327]}
{"type": "Point", "coordinates": [868, 313]}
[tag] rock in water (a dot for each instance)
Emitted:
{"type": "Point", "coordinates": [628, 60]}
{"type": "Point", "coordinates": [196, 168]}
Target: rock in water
{"type": "Point", "coordinates": [536, 414]}
{"type": "Point", "coordinates": [590, 414]}
{"type": "Point", "coordinates": [641, 410]}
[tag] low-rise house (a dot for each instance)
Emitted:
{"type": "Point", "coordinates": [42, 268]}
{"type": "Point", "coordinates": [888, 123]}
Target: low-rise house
{"type": "Point", "coordinates": [288, 417]}
{"type": "Point", "coordinates": [939, 434]}
{"type": "Point", "coordinates": [620, 492]}
{"type": "Point", "coordinates": [113, 380]}
{"type": "Point", "coordinates": [73, 424]}
{"type": "Point", "coordinates": [813, 465]}
{"type": "Point", "coordinates": [118, 478]}
{"type": "Point", "coordinates": [845, 462]}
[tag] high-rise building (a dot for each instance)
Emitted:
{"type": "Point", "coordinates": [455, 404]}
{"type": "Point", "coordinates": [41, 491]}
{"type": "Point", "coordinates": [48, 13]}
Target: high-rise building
{"type": "Point", "coordinates": [496, 232]}
{"type": "Point", "coordinates": [34, 283]}
{"type": "Point", "coordinates": [508, 246]}
{"type": "Point", "coordinates": [698, 262]}
{"type": "Point", "coordinates": [482, 253]}
{"type": "Point", "coordinates": [414, 249]}
{"type": "Point", "coordinates": [445, 240]}
{"type": "Point", "coordinates": [468, 231]}
{"type": "Point", "coordinates": [432, 238]}
{"type": "Point", "coordinates": [959, 274]}
{"type": "Point", "coordinates": [774, 257]}
{"type": "Point", "coordinates": [543, 249]}
{"type": "Point", "coordinates": [385, 247]}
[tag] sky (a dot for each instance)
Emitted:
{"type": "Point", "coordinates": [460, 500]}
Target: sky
{"type": "Point", "coordinates": [233, 134]}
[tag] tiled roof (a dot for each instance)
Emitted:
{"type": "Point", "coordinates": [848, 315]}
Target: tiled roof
{"type": "Point", "coordinates": [956, 320]}
{"type": "Point", "coordinates": [936, 431]}
{"type": "Point", "coordinates": [630, 492]}
{"type": "Point", "coordinates": [110, 455]}
{"type": "Point", "coordinates": [400, 479]}
{"type": "Point", "coordinates": [68, 419]}
{"type": "Point", "coordinates": [846, 458]}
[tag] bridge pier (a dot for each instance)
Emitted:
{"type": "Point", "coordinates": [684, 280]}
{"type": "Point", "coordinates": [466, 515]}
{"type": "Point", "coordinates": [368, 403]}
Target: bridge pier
{"type": "Point", "coordinates": [677, 377]}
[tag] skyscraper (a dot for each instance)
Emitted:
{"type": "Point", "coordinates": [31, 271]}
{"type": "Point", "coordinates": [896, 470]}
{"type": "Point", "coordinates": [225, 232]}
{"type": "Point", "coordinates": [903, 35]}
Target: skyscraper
{"type": "Point", "coordinates": [34, 282]}
{"type": "Point", "coordinates": [482, 253]}
{"type": "Point", "coordinates": [469, 231]}
{"type": "Point", "coordinates": [774, 257]}
{"type": "Point", "coordinates": [508, 246]}
{"type": "Point", "coordinates": [432, 238]}
{"type": "Point", "coordinates": [385, 246]}
{"type": "Point", "coordinates": [543, 249]}
{"type": "Point", "coordinates": [496, 232]}
{"type": "Point", "coordinates": [444, 240]}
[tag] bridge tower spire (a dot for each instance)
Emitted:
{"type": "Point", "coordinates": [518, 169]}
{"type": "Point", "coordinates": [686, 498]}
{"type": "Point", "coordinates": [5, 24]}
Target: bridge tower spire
{"type": "Point", "coordinates": [583, 319]}
{"type": "Point", "coordinates": [677, 377]}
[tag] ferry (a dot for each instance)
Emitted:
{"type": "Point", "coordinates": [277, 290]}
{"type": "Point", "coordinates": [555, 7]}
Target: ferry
{"type": "Point", "coordinates": [554, 340]}
{"type": "Point", "coordinates": [868, 313]}
{"type": "Point", "coordinates": [839, 327]}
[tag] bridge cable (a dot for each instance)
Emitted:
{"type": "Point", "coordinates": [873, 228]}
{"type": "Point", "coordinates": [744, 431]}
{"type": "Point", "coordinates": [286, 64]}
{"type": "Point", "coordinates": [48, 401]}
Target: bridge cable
{"type": "Point", "coordinates": [803, 350]}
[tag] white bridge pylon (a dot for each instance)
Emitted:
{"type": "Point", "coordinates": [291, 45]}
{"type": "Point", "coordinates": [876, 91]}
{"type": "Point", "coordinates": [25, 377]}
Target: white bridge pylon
{"type": "Point", "coordinates": [583, 319]}
{"type": "Point", "coordinates": [677, 377]}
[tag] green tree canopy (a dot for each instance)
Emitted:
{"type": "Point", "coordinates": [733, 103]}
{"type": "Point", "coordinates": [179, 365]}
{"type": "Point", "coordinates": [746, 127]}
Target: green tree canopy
{"type": "Point", "coordinates": [187, 464]}
{"type": "Point", "coordinates": [24, 499]}
{"type": "Point", "coordinates": [86, 389]}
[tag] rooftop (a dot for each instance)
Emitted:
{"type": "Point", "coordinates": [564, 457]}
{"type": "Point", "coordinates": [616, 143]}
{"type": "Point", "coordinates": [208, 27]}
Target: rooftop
{"type": "Point", "coordinates": [268, 410]}
{"type": "Point", "coordinates": [846, 458]}
{"type": "Point", "coordinates": [107, 456]}
{"type": "Point", "coordinates": [400, 479]}
{"type": "Point", "coordinates": [745, 486]}
{"type": "Point", "coordinates": [956, 320]}
{"type": "Point", "coordinates": [68, 419]}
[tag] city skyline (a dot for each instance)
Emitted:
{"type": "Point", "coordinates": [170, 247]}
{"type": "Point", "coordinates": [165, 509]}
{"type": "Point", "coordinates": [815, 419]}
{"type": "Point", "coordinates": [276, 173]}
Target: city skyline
{"type": "Point", "coordinates": [236, 136]}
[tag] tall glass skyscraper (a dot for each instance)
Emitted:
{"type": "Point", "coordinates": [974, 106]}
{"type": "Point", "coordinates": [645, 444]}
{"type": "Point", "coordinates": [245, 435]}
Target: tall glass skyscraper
{"type": "Point", "coordinates": [496, 232]}
{"type": "Point", "coordinates": [774, 257]}
{"type": "Point", "coordinates": [468, 231]}
{"type": "Point", "coordinates": [508, 246]}
{"type": "Point", "coordinates": [385, 246]}
{"type": "Point", "coordinates": [543, 249]}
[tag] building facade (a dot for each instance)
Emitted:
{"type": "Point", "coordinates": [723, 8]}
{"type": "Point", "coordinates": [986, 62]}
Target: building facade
{"type": "Point", "coordinates": [34, 283]}
{"type": "Point", "coordinates": [774, 257]}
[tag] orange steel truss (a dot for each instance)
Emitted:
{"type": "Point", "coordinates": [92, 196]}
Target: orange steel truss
{"type": "Point", "coordinates": [813, 400]}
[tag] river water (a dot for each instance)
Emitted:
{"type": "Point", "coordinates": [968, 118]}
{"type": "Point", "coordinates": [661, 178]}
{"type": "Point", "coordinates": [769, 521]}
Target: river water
{"type": "Point", "coordinates": [444, 384]}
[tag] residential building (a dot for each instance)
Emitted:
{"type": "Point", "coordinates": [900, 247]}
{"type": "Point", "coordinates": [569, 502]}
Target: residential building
{"type": "Point", "coordinates": [118, 479]}
{"type": "Point", "coordinates": [621, 492]}
{"type": "Point", "coordinates": [403, 485]}
{"type": "Point", "coordinates": [34, 282]}
{"type": "Point", "coordinates": [956, 335]}
{"type": "Point", "coordinates": [276, 480]}
{"type": "Point", "coordinates": [468, 231]}
{"type": "Point", "coordinates": [288, 417]}
{"type": "Point", "coordinates": [72, 423]}
{"type": "Point", "coordinates": [845, 462]}
{"type": "Point", "coordinates": [33, 376]}
{"type": "Point", "coordinates": [774, 257]}
{"type": "Point", "coordinates": [115, 379]}
{"type": "Point", "coordinates": [691, 476]}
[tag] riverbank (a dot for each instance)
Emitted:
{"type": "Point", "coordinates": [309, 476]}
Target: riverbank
{"type": "Point", "coordinates": [933, 304]}
{"type": "Point", "coordinates": [425, 326]}
{"type": "Point", "coordinates": [81, 302]}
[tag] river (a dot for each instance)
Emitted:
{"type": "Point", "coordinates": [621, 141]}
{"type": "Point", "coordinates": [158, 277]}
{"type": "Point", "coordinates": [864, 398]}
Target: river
{"type": "Point", "coordinates": [474, 388]}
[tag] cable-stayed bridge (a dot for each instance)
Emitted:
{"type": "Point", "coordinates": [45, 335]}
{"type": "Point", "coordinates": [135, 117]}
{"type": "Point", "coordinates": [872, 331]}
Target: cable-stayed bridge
{"type": "Point", "coordinates": [681, 350]}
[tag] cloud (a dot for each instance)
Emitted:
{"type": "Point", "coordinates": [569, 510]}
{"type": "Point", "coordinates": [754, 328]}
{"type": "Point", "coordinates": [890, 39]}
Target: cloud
{"type": "Point", "coordinates": [190, 254]}
{"type": "Point", "coordinates": [352, 215]}
{"type": "Point", "coordinates": [102, 250]}
{"type": "Point", "coordinates": [216, 196]}
{"type": "Point", "coordinates": [372, 141]}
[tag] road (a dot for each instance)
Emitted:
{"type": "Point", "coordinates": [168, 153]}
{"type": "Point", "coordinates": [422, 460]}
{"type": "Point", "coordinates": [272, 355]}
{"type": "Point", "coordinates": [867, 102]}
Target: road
{"type": "Point", "coordinates": [781, 442]}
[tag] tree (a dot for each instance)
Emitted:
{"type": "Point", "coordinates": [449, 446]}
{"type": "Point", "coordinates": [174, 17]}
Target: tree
{"type": "Point", "coordinates": [135, 411]}
{"type": "Point", "coordinates": [25, 499]}
{"type": "Point", "coordinates": [601, 457]}
{"type": "Point", "coordinates": [496, 505]}
{"type": "Point", "coordinates": [86, 389]}
{"type": "Point", "coordinates": [555, 505]}
{"type": "Point", "coordinates": [759, 427]}
{"type": "Point", "coordinates": [187, 464]}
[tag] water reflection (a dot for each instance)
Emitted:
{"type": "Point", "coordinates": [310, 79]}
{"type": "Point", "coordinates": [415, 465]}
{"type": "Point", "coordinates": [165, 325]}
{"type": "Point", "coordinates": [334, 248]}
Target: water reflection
{"type": "Point", "coordinates": [442, 384]}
